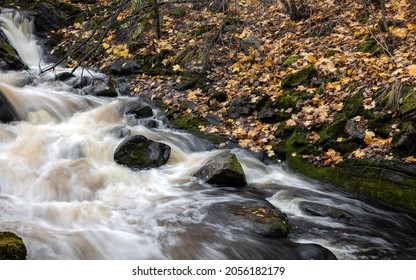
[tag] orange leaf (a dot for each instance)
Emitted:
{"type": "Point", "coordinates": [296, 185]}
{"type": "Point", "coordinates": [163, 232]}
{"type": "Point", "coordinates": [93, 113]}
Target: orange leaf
{"type": "Point", "coordinates": [412, 69]}
{"type": "Point", "coordinates": [268, 62]}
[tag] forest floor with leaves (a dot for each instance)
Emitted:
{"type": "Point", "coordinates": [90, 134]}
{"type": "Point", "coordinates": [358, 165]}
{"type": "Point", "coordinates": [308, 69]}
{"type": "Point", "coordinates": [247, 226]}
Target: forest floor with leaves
{"type": "Point", "coordinates": [249, 48]}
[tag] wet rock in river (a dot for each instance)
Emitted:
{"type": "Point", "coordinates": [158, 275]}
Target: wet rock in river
{"type": "Point", "coordinates": [223, 169]}
{"type": "Point", "coordinates": [317, 209]}
{"type": "Point", "coordinates": [120, 132]}
{"type": "Point", "coordinates": [101, 88]}
{"type": "Point", "coordinates": [138, 152]}
{"type": "Point", "coordinates": [7, 112]}
{"type": "Point", "coordinates": [258, 216]}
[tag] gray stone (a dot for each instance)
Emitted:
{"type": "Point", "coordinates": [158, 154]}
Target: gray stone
{"type": "Point", "coordinates": [224, 170]}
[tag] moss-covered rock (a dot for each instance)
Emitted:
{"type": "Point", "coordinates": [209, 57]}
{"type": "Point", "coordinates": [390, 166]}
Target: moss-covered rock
{"type": "Point", "coordinates": [353, 105]}
{"type": "Point", "coordinates": [297, 142]}
{"type": "Point", "coordinates": [389, 182]}
{"type": "Point", "coordinates": [191, 124]}
{"type": "Point", "coordinates": [138, 152]}
{"type": "Point", "coordinates": [223, 170]}
{"type": "Point", "coordinates": [187, 122]}
{"type": "Point", "coordinates": [329, 136]}
{"type": "Point", "coordinates": [290, 98]}
{"type": "Point", "coordinates": [241, 106]}
{"type": "Point", "coordinates": [12, 247]}
{"type": "Point", "coordinates": [301, 77]}
{"type": "Point", "coordinates": [381, 123]}
{"type": "Point", "coordinates": [191, 80]}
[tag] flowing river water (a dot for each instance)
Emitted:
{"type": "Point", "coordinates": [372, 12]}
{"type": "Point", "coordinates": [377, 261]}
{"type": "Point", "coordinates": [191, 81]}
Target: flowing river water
{"type": "Point", "coordinates": [62, 192]}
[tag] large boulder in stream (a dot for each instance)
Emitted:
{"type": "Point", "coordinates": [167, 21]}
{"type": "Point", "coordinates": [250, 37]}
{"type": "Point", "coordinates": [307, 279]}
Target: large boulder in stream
{"type": "Point", "coordinates": [224, 170]}
{"type": "Point", "coordinates": [138, 152]}
{"type": "Point", "coordinates": [12, 247]}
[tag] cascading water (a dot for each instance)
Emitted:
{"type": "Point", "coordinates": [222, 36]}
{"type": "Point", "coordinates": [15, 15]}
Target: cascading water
{"type": "Point", "coordinates": [62, 192]}
{"type": "Point", "coordinates": [19, 32]}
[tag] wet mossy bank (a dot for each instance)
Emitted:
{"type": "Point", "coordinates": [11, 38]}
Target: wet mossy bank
{"type": "Point", "coordinates": [389, 182]}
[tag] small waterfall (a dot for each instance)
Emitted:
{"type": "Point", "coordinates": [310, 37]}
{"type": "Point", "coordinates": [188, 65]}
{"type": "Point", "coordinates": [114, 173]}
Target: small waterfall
{"type": "Point", "coordinates": [19, 32]}
{"type": "Point", "coordinates": [62, 192]}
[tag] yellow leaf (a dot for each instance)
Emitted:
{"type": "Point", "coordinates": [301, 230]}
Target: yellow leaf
{"type": "Point", "coordinates": [412, 69]}
{"type": "Point", "coordinates": [334, 85]}
{"type": "Point", "coordinates": [311, 59]}
{"type": "Point", "coordinates": [399, 32]}
{"type": "Point", "coordinates": [244, 142]}
{"type": "Point", "coordinates": [268, 62]}
{"type": "Point", "coordinates": [328, 162]}
{"type": "Point", "coordinates": [243, 34]}
{"type": "Point", "coordinates": [345, 80]}
{"type": "Point", "coordinates": [340, 139]}
{"type": "Point", "coordinates": [411, 27]}
{"type": "Point", "coordinates": [106, 46]}
{"type": "Point", "coordinates": [410, 159]}
{"type": "Point", "coordinates": [368, 138]}
{"type": "Point", "coordinates": [124, 53]}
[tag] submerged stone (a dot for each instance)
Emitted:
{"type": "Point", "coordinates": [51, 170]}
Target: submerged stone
{"type": "Point", "coordinates": [223, 169]}
{"type": "Point", "coordinates": [317, 209]}
{"type": "Point", "coordinates": [138, 152]}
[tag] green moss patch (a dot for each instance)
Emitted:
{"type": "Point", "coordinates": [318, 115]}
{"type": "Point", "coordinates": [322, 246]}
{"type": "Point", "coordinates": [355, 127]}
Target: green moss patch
{"type": "Point", "coordinates": [301, 77]}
